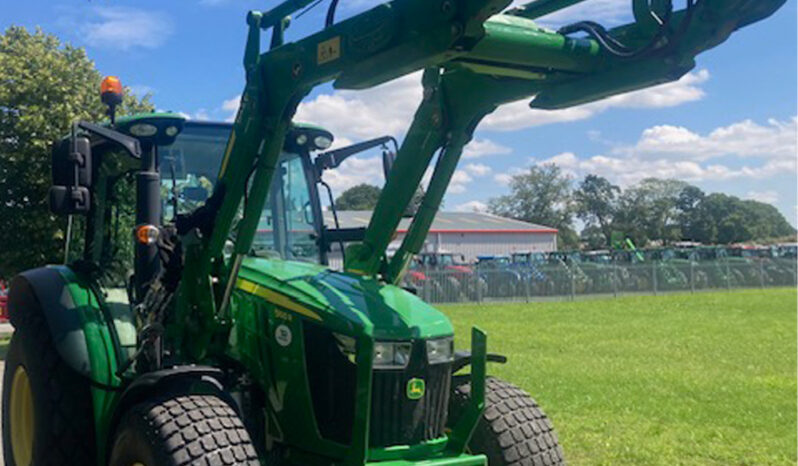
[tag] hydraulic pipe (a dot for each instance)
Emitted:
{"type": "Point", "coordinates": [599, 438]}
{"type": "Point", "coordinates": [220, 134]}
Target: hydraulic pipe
{"type": "Point", "coordinates": [422, 220]}
{"type": "Point", "coordinates": [423, 139]}
{"type": "Point", "coordinates": [516, 43]}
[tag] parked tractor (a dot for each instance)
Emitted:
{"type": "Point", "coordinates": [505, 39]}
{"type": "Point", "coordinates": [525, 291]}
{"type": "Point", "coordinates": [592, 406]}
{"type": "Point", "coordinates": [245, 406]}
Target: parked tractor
{"type": "Point", "coordinates": [194, 320]}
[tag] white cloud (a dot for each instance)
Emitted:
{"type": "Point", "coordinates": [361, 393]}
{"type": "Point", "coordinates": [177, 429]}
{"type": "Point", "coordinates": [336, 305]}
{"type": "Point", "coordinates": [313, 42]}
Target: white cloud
{"type": "Point", "coordinates": [503, 179]}
{"type": "Point", "coordinates": [471, 206]}
{"type": "Point", "coordinates": [460, 179]}
{"type": "Point", "coordinates": [478, 169]}
{"type": "Point", "coordinates": [606, 12]}
{"type": "Point", "coordinates": [673, 152]}
{"type": "Point", "coordinates": [483, 147]}
{"type": "Point", "coordinates": [769, 197]}
{"type": "Point", "coordinates": [231, 107]}
{"type": "Point", "coordinates": [123, 28]}
{"type": "Point", "coordinates": [357, 115]}
{"type": "Point", "coordinates": [354, 171]}
{"type": "Point", "coordinates": [518, 115]}
{"type": "Point", "coordinates": [776, 140]}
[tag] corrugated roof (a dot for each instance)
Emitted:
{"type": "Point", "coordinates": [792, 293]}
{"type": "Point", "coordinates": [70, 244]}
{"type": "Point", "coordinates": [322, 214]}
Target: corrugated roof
{"type": "Point", "coordinates": [446, 222]}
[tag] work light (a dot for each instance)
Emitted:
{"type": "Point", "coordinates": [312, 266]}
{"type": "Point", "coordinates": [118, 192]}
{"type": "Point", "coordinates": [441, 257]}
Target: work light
{"type": "Point", "coordinates": [440, 350]}
{"type": "Point", "coordinates": [391, 354]}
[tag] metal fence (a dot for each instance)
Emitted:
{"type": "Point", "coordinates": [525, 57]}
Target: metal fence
{"type": "Point", "coordinates": [574, 281]}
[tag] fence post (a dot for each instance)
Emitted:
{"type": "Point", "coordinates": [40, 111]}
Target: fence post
{"type": "Point", "coordinates": [573, 282]}
{"type": "Point", "coordinates": [526, 288]}
{"type": "Point", "coordinates": [477, 285]}
{"type": "Point", "coordinates": [728, 274]}
{"type": "Point", "coordinates": [761, 273]}
{"type": "Point", "coordinates": [654, 276]}
{"type": "Point", "coordinates": [614, 280]}
{"type": "Point", "coordinates": [692, 277]}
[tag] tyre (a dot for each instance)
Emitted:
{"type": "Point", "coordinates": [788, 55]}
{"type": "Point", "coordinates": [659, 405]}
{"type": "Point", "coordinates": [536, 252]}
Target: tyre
{"type": "Point", "coordinates": [182, 430]}
{"type": "Point", "coordinates": [47, 406]}
{"type": "Point", "coordinates": [513, 430]}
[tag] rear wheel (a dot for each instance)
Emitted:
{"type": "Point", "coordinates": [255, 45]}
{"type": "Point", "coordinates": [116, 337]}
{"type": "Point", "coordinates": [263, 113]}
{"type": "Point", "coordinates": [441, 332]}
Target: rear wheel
{"type": "Point", "coordinates": [46, 405]}
{"type": "Point", "coordinates": [513, 430]}
{"type": "Point", "coordinates": [182, 430]}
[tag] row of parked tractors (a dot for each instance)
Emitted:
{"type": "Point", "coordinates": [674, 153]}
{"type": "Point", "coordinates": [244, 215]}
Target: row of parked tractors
{"type": "Point", "coordinates": [447, 277]}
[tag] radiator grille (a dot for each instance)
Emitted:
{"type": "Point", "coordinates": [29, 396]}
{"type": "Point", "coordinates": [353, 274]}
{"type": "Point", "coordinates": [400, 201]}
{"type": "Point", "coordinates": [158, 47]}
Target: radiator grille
{"type": "Point", "coordinates": [398, 420]}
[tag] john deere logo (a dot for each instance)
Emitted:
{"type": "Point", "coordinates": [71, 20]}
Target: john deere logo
{"type": "Point", "coordinates": [415, 389]}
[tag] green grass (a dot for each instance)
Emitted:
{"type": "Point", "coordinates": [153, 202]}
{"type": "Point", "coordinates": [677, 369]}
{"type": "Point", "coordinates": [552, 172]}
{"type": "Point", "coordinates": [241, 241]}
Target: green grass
{"type": "Point", "coordinates": [678, 379]}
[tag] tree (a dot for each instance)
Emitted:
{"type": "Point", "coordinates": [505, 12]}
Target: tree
{"type": "Point", "coordinates": [648, 210]}
{"type": "Point", "coordinates": [361, 197]}
{"type": "Point", "coordinates": [727, 219]}
{"type": "Point", "coordinates": [596, 203]}
{"type": "Point", "coordinates": [44, 87]}
{"type": "Point", "coordinates": [542, 196]}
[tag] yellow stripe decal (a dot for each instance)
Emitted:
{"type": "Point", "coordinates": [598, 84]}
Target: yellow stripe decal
{"type": "Point", "coordinates": [227, 153]}
{"type": "Point", "coordinates": [275, 298]}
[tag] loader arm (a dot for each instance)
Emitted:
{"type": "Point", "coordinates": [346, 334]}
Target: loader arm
{"type": "Point", "coordinates": [517, 60]}
{"type": "Point", "coordinates": [472, 65]}
{"type": "Point", "coordinates": [378, 45]}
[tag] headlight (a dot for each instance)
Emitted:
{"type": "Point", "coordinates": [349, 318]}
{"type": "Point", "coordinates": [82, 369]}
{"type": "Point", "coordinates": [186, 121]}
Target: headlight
{"type": "Point", "coordinates": [143, 130]}
{"type": "Point", "coordinates": [440, 350]}
{"type": "Point", "coordinates": [391, 355]}
{"type": "Point", "coordinates": [322, 142]}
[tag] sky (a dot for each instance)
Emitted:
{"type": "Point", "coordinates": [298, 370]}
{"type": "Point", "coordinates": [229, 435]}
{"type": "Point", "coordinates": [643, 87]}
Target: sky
{"type": "Point", "coordinates": [728, 126]}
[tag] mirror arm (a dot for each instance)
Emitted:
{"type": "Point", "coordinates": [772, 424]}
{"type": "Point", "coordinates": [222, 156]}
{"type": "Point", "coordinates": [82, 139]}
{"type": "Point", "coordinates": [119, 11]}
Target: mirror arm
{"type": "Point", "coordinates": [129, 144]}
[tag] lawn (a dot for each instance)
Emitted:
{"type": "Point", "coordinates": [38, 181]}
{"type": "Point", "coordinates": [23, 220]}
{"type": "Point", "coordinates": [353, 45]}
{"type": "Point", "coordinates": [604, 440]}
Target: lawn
{"type": "Point", "coordinates": [678, 379]}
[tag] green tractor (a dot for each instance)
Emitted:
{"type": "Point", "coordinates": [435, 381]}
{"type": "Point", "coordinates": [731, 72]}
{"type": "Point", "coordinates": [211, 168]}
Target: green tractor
{"type": "Point", "coordinates": [194, 320]}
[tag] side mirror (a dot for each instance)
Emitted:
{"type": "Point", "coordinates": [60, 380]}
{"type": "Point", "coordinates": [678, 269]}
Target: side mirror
{"type": "Point", "coordinates": [72, 176]}
{"type": "Point", "coordinates": [388, 158]}
{"type": "Point", "coordinates": [70, 157]}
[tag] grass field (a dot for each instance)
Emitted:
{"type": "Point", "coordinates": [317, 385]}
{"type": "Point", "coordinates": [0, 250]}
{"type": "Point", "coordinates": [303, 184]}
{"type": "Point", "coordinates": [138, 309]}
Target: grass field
{"type": "Point", "coordinates": [678, 379]}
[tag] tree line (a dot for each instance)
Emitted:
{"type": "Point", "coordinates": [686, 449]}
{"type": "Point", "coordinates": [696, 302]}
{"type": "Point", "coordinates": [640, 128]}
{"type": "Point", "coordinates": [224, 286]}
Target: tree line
{"type": "Point", "coordinates": [653, 211]}
{"type": "Point", "coordinates": [44, 87]}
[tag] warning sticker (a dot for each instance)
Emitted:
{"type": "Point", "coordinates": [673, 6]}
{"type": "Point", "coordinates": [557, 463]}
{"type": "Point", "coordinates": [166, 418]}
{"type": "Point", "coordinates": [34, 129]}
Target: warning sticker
{"type": "Point", "coordinates": [329, 50]}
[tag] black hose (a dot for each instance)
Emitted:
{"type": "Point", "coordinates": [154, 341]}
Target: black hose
{"type": "Point", "coordinates": [331, 14]}
{"type": "Point", "coordinates": [612, 46]}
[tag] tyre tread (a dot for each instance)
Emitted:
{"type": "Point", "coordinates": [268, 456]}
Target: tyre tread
{"type": "Point", "coordinates": [513, 431]}
{"type": "Point", "coordinates": [197, 430]}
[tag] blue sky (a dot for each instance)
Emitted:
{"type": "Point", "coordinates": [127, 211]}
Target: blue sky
{"type": "Point", "coordinates": [728, 126]}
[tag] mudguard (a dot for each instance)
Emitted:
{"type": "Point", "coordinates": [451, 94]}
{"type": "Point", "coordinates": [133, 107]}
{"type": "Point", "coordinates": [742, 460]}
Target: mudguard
{"type": "Point", "coordinates": [84, 336]}
{"type": "Point", "coordinates": [45, 289]}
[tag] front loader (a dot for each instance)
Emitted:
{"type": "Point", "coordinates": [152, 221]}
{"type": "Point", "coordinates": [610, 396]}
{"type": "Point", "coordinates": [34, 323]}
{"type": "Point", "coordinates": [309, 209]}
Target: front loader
{"type": "Point", "coordinates": [193, 320]}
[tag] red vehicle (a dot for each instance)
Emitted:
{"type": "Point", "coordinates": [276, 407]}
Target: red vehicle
{"type": "Point", "coordinates": [3, 302]}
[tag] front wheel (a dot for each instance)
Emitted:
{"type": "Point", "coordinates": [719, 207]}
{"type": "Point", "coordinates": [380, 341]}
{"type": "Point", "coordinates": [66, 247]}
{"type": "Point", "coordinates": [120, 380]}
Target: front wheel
{"type": "Point", "coordinates": [513, 430]}
{"type": "Point", "coordinates": [182, 430]}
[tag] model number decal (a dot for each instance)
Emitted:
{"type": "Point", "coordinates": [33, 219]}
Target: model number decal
{"type": "Point", "coordinates": [283, 336]}
{"type": "Point", "coordinates": [282, 315]}
{"type": "Point", "coordinates": [329, 50]}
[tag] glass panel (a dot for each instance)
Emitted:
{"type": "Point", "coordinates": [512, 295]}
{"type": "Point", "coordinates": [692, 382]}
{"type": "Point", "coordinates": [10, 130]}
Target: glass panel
{"type": "Point", "coordinates": [287, 225]}
{"type": "Point", "coordinates": [195, 157]}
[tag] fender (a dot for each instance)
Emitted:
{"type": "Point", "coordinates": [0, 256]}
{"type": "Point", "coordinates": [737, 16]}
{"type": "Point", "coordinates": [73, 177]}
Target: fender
{"type": "Point", "coordinates": [84, 336]}
{"type": "Point", "coordinates": [46, 289]}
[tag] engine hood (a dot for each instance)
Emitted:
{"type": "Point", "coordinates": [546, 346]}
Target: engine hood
{"type": "Point", "coordinates": [354, 301]}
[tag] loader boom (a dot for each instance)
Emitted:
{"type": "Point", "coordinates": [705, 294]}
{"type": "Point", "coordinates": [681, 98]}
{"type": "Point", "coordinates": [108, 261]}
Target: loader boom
{"type": "Point", "coordinates": [474, 61]}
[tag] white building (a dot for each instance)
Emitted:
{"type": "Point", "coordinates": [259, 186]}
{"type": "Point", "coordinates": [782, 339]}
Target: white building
{"type": "Point", "coordinates": [471, 234]}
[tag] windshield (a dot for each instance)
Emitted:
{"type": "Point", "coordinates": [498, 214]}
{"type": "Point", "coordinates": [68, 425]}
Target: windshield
{"type": "Point", "coordinates": [287, 227]}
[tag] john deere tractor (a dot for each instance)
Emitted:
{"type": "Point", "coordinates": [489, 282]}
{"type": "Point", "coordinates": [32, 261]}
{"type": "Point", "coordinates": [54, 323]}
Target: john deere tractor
{"type": "Point", "coordinates": [194, 321]}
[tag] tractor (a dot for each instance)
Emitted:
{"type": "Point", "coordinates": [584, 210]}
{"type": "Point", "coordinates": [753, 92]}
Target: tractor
{"type": "Point", "coordinates": [193, 320]}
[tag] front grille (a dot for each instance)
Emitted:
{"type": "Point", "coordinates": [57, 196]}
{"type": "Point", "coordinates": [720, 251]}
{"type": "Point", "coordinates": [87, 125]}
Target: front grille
{"type": "Point", "coordinates": [398, 420]}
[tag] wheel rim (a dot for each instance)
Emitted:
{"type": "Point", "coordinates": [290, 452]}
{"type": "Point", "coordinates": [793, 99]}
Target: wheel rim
{"type": "Point", "coordinates": [21, 417]}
